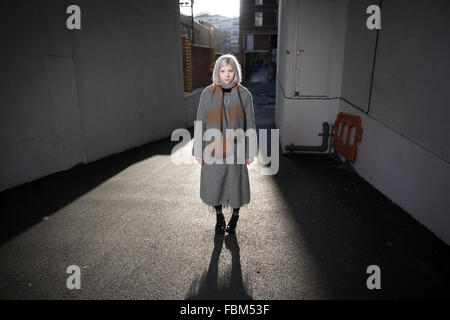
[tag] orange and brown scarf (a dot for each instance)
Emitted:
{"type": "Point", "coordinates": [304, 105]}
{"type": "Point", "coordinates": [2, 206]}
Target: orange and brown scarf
{"type": "Point", "coordinates": [220, 117]}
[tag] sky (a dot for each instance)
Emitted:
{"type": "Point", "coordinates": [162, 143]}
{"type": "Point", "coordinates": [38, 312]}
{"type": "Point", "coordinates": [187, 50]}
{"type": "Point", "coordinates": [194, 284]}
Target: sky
{"type": "Point", "coordinates": [227, 8]}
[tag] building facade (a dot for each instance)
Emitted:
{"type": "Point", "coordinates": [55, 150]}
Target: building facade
{"type": "Point", "coordinates": [229, 27]}
{"type": "Point", "coordinates": [258, 26]}
{"type": "Point", "coordinates": [205, 34]}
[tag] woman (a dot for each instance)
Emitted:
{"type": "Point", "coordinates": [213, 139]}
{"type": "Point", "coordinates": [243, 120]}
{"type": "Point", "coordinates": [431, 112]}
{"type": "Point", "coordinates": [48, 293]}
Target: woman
{"type": "Point", "coordinates": [225, 104]}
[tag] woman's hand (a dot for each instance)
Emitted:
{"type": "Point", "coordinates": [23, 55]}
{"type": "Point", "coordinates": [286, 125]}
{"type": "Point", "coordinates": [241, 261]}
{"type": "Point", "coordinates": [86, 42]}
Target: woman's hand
{"type": "Point", "coordinates": [248, 160]}
{"type": "Point", "coordinates": [199, 159]}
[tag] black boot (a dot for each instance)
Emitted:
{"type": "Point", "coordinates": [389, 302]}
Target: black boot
{"type": "Point", "coordinates": [231, 228]}
{"type": "Point", "coordinates": [220, 225]}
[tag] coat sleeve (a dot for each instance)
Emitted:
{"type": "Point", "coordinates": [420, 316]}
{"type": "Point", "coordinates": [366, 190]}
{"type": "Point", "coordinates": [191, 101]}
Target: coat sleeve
{"type": "Point", "coordinates": [201, 116]}
{"type": "Point", "coordinates": [250, 123]}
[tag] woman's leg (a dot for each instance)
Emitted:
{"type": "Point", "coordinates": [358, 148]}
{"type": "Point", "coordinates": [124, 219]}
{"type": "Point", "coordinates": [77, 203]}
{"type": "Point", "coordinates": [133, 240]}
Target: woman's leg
{"type": "Point", "coordinates": [220, 224]}
{"type": "Point", "coordinates": [231, 227]}
{"type": "Point", "coordinates": [218, 208]}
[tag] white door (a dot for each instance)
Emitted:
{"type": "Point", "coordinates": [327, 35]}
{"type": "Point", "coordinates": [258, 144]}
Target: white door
{"type": "Point", "coordinates": [313, 47]}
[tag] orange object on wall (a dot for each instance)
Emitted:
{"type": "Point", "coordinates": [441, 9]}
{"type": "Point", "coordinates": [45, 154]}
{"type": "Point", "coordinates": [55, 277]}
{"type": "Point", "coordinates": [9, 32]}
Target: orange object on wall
{"type": "Point", "coordinates": [349, 121]}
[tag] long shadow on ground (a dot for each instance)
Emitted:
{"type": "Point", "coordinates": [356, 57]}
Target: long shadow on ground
{"type": "Point", "coordinates": [209, 287]}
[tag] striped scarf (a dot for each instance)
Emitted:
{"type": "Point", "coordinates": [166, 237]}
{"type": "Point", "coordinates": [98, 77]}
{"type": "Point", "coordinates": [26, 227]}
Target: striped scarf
{"type": "Point", "coordinates": [219, 117]}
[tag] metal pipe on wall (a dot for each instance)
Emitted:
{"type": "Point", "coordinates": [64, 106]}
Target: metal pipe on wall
{"type": "Point", "coordinates": [323, 147]}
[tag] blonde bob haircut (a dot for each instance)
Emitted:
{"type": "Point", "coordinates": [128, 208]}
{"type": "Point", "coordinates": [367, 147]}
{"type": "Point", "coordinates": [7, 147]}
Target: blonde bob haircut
{"type": "Point", "coordinates": [222, 61]}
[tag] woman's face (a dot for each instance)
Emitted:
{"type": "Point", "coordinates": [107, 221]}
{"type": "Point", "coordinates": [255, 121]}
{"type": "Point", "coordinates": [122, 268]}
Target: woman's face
{"type": "Point", "coordinates": [226, 74]}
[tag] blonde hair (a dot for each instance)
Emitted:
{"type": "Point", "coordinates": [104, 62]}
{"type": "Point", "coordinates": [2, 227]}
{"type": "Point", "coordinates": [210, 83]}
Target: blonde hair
{"type": "Point", "coordinates": [222, 61]}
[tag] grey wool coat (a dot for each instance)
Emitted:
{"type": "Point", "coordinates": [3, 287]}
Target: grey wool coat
{"type": "Point", "coordinates": [222, 183]}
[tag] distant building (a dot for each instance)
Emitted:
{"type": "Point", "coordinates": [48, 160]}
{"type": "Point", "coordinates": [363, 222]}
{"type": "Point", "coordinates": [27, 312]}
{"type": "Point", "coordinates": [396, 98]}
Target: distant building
{"type": "Point", "coordinates": [258, 26]}
{"type": "Point", "coordinates": [230, 27]}
{"type": "Point", "coordinates": [218, 38]}
{"type": "Point", "coordinates": [204, 34]}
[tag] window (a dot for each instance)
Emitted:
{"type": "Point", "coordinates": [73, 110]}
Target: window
{"type": "Point", "coordinates": [258, 19]}
{"type": "Point", "coordinates": [235, 33]}
{"type": "Point", "coordinates": [258, 2]}
{"type": "Point", "coordinates": [249, 41]}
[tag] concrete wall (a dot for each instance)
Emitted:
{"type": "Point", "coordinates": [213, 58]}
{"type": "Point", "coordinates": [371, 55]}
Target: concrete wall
{"type": "Point", "coordinates": [404, 151]}
{"type": "Point", "coordinates": [70, 97]}
{"type": "Point", "coordinates": [359, 55]}
{"type": "Point", "coordinates": [191, 100]}
{"type": "Point", "coordinates": [300, 118]}
{"type": "Point", "coordinates": [411, 70]}
{"type": "Point", "coordinates": [395, 80]}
